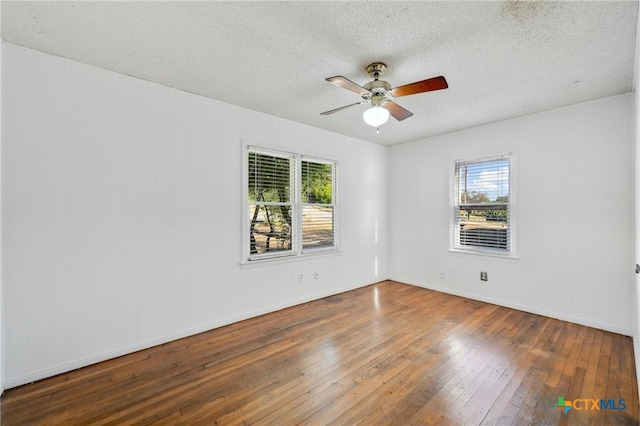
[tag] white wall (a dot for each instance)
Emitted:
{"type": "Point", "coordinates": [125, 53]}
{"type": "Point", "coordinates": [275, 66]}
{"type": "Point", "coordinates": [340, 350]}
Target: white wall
{"type": "Point", "coordinates": [636, 293]}
{"type": "Point", "coordinates": [1, 244]}
{"type": "Point", "coordinates": [122, 215]}
{"type": "Point", "coordinates": [575, 214]}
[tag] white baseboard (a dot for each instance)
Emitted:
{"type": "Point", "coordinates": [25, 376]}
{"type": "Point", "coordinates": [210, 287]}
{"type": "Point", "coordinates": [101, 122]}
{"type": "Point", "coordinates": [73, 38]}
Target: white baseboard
{"type": "Point", "coordinates": [519, 307]}
{"type": "Point", "coordinates": [636, 351]}
{"type": "Point", "coordinates": [73, 365]}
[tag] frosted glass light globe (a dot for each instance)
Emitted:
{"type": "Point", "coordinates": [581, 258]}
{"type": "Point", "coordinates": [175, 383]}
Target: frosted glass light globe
{"type": "Point", "coordinates": [375, 116]}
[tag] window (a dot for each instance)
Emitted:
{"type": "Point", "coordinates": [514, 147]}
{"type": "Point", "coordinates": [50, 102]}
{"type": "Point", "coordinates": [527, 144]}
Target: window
{"type": "Point", "coordinates": [482, 205]}
{"type": "Point", "coordinates": [270, 203]}
{"type": "Point", "coordinates": [317, 204]}
{"type": "Point", "coordinates": [291, 204]}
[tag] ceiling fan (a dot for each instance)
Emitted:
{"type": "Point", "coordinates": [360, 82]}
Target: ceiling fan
{"type": "Point", "coordinates": [380, 94]}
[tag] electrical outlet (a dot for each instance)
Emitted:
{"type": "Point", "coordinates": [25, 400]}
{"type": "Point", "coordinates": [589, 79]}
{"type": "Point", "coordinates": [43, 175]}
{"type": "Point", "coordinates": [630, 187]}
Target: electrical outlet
{"type": "Point", "coordinates": [441, 274]}
{"type": "Point", "coordinates": [483, 276]}
{"type": "Point", "coordinates": [300, 277]}
{"type": "Point", "coordinates": [316, 275]}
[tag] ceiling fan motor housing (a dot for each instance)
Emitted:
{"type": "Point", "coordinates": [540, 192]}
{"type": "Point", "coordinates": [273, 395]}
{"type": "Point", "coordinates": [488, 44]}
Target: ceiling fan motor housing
{"type": "Point", "coordinates": [377, 86]}
{"type": "Point", "coordinates": [378, 90]}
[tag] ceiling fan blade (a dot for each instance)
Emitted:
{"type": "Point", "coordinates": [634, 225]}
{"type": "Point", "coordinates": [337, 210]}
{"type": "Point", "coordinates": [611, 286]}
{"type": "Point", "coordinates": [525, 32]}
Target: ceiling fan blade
{"type": "Point", "coordinates": [398, 112]}
{"type": "Point", "coordinates": [347, 84]}
{"type": "Point", "coordinates": [341, 108]}
{"type": "Point", "coordinates": [428, 85]}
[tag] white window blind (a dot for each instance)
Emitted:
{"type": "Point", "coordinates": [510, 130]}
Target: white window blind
{"type": "Point", "coordinates": [482, 205]}
{"type": "Point", "coordinates": [318, 206]}
{"type": "Point", "coordinates": [270, 201]}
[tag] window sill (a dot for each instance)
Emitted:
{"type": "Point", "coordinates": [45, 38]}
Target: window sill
{"type": "Point", "coordinates": [269, 261]}
{"type": "Point", "coordinates": [485, 254]}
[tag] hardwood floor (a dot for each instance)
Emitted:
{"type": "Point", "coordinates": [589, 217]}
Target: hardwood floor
{"type": "Point", "coordinates": [388, 353]}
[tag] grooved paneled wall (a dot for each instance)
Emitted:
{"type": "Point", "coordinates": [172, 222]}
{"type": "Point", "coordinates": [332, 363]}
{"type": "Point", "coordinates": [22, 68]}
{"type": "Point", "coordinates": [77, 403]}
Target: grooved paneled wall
{"type": "Point", "coordinates": [122, 212]}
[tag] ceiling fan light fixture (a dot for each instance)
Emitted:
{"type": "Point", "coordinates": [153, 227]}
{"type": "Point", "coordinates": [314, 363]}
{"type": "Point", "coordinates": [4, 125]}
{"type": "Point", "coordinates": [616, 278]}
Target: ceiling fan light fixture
{"type": "Point", "coordinates": [375, 116]}
{"type": "Point", "coordinates": [382, 95]}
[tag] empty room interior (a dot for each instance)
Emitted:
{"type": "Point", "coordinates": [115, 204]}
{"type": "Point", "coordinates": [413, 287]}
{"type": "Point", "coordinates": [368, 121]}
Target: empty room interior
{"type": "Point", "coordinates": [319, 212]}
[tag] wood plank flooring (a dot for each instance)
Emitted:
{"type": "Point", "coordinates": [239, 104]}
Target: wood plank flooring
{"type": "Point", "coordinates": [384, 354]}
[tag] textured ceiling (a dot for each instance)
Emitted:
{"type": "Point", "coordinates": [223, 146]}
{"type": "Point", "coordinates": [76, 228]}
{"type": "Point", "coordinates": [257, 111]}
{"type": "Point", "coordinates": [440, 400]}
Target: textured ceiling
{"type": "Point", "coordinates": [501, 59]}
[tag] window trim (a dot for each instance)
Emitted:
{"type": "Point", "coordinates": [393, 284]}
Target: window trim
{"type": "Point", "coordinates": [297, 250]}
{"type": "Point", "coordinates": [476, 250]}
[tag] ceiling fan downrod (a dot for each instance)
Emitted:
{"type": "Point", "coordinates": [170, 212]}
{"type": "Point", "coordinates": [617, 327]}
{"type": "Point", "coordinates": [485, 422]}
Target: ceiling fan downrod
{"type": "Point", "coordinates": [376, 69]}
{"type": "Point", "coordinates": [376, 88]}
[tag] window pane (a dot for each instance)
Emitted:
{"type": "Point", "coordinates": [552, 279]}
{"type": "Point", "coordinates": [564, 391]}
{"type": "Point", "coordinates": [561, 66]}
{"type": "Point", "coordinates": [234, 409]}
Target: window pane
{"type": "Point", "coordinates": [270, 229]}
{"type": "Point", "coordinates": [269, 178]}
{"type": "Point", "coordinates": [317, 226]}
{"type": "Point", "coordinates": [317, 183]}
{"type": "Point", "coordinates": [483, 182]}
{"type": "Point", "coordinates": [484, 227]}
